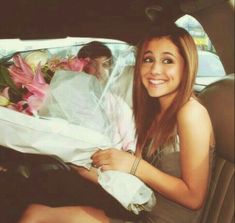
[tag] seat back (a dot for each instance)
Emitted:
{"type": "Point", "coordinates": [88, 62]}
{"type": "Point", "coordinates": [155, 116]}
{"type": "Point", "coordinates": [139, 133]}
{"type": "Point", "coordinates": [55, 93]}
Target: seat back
{"type": "Point", "coordinates": [218, 98]}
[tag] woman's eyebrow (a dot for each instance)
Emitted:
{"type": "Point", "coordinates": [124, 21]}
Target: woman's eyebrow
{"type": "Point", "coordinates": [168, 53]}
{"type": "Point", "coordinates": [164, 53]}
{"type": "Point", "coordinates": [148, 51]}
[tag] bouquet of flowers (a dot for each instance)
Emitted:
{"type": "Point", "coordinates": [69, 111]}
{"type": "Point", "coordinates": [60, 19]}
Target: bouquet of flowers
{"type": "Point", "coordinates": [24, 82]}
{"type": "Point", "coordinates": [50, 106]}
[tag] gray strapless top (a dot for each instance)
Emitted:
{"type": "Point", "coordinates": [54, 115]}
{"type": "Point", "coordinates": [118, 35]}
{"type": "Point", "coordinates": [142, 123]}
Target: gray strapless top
{"type": "Point", "coordinates": [167, 159]}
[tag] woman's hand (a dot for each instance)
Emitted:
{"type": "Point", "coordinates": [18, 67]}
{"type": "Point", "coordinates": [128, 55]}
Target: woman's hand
{"type": "Point", "coordinates": [113, 159]}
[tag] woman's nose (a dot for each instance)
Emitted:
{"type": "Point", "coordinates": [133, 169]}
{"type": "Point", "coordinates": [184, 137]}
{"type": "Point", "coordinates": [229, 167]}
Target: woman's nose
{"type": "Point", "coordinates": [156, 68]}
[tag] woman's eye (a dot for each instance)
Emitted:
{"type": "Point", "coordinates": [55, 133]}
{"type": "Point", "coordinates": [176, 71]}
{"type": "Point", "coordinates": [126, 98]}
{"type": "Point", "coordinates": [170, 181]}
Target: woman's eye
{"type": "Point", "coordinates": [167, 61]}
{"type": "Point", "coordinates": [147, 60]}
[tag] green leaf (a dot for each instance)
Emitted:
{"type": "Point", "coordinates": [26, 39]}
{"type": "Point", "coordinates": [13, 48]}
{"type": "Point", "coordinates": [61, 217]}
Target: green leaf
{"type": "Point", "coordinates": [6, 80]}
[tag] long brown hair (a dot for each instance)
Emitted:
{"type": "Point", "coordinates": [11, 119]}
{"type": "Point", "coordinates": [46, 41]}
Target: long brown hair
{"type": "Point", "coordinates": [146, 108]}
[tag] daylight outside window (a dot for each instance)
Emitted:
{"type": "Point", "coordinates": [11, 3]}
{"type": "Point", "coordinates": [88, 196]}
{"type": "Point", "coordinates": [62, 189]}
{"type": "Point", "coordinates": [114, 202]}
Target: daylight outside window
{"type": "Point", "coordinates": [210, 67]}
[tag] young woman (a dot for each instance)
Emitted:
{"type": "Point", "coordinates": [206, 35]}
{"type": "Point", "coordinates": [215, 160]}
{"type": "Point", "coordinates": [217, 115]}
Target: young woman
{"type": "Point", "coordinates": [175, 137]}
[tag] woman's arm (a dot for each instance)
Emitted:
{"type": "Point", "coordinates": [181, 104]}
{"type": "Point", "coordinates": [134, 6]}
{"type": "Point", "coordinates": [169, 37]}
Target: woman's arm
{"type": "Point", "coordinates": [194, 129]}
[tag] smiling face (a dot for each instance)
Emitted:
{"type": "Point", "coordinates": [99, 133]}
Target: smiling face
{"type": "Point", "coordinates": [162, 68]}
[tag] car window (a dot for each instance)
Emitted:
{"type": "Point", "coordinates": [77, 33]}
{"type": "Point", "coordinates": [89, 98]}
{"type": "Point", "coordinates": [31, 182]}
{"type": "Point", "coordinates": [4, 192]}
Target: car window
{"type": "Point", "coordinates": [210, 68]}
{"type": "Point", "coordinates": [64, 47]}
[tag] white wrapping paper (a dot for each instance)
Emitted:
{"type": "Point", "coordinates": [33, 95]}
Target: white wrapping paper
{"type": "Point", "coordinates": [72, 125]}
{"type": "Point", "coordinates": [72, 143]}
{"type": "Point", "coordinates": [131, 192]}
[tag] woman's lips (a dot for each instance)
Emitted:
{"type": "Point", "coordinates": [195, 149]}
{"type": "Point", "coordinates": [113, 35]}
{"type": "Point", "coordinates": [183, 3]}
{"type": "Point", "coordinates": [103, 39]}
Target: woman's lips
{"type": "Point", "coordinates": [156, 82]}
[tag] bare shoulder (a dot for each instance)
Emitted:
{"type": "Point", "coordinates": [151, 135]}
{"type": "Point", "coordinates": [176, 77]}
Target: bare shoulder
{"type": "Point", "coordinates": [193, 119]}
{"type": "Point", "coordinates": [193, 111]}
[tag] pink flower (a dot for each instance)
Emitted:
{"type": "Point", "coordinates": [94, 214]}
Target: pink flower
{"type": "Point", "coordinates": [38, 86]}
{"type": "Point", "coordinates": [38, 89]}
{"type": "Point", "coordinates": [22, 106]}
{"type": "Point", "coordinates": [73, 64]}
{"type": "Point", "coordinates": [31, 79]}
{"type": "Point", "coordinates": [20, 71]}
{"type": "Point", "coordinates": [33, 104]}
{"type": "Point", "coordinates": [76, 64]}
{"type": "Point", "coordinates": [24, 77]}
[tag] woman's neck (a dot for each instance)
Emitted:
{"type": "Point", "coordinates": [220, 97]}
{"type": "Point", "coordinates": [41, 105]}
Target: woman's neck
{"type": "Point", "coordinates": [166, 101]}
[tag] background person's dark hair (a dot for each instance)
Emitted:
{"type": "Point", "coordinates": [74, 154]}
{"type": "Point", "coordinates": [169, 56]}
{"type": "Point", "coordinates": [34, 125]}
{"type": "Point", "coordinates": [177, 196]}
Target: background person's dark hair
{"type": "Point", "coordinates": [94, 50]}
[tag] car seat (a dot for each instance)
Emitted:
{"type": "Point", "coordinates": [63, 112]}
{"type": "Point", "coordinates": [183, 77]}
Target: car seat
{"type": "Point", "coordinates": [218, 98]}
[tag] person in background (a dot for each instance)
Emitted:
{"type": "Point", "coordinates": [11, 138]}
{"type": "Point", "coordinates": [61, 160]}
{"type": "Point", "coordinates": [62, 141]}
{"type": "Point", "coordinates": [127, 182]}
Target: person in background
{"type": "Point", "coordinates": [99, 59]}
{"type": "Point", "coordinates": [80, 186]}
{"type": "Point", "coordinates": [175, 140]}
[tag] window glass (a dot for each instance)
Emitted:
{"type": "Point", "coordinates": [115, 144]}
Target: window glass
{"type": "Point", "coordinates": [65, 47]}
{"type": "Point", "coordinates": [209, 62]}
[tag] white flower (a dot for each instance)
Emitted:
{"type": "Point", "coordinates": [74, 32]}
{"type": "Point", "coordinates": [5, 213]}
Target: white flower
{"type": "Point", "coordinates": [36, 57]}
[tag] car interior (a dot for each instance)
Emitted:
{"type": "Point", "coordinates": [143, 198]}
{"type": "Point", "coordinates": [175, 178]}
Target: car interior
{"type": "Point", "coordinates": [128, 21]}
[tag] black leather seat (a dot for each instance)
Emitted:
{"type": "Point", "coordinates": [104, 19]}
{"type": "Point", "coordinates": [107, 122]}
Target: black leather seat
{"type": "Point", "coordinates": [219, 101]}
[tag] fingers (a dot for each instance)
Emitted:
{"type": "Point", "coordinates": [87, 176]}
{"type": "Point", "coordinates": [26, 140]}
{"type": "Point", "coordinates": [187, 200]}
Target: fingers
{"type": "Point", "coordinates": [113, 159]}
{"type": "Point", "coordinates": [99, 163]}
{"type": "Point", "coordinates": [103, 158]}
{"type": "Point", "coordinates": [102, 155]}
{"type": "Point", "coordinates": [104, 151]}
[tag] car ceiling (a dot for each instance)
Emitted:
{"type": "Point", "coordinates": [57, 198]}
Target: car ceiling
{"type": "Point", "coordinates": [125, 20]}
{"type": "Point", "coordinates": [117, 19]}
{"type": "Point", "coordinates": [30, 19]}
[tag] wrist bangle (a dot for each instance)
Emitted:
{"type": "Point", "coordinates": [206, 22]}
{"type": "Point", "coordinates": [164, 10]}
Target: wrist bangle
{"type": "Point", "coordinates": [135, 165]}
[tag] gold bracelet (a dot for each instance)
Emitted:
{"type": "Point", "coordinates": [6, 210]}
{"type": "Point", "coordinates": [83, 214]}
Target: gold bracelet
{"type": "Point", "coordinates": [135, 165]}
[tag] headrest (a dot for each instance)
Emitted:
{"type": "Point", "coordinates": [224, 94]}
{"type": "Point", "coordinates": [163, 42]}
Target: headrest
{"type": "Point", "coordinates": [218, 98]}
